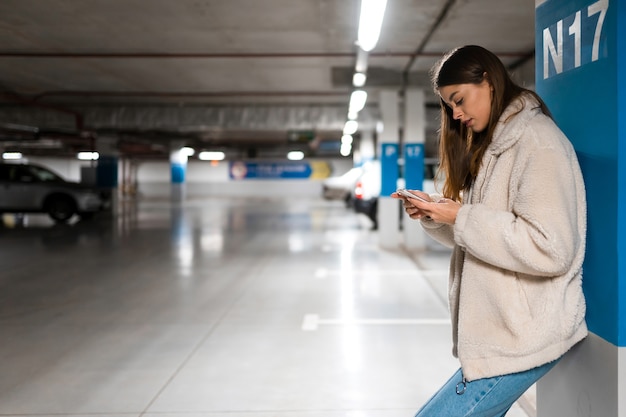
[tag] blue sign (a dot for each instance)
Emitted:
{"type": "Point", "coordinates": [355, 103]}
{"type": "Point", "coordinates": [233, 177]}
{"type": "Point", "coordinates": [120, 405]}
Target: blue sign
{"type": "Point", "coordinates": [266, 170]}
{"type": "Point", "coordinates": [414, 166]}
{"type": "Point", "coordinates": [578, 75]}
{"type": "Point", "coordinates": [572, 34]}
{"type": "Point", "coordinates": [388, 169]}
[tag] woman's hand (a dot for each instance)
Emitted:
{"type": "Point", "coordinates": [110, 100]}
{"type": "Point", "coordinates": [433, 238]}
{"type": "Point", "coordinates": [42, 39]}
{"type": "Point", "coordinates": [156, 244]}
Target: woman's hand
{"type": "Point", "coordinates": [442, 211]}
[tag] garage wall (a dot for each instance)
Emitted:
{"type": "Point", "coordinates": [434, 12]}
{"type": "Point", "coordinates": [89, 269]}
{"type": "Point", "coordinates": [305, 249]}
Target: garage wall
{"type": "Point", "coordinates": [203, 179]}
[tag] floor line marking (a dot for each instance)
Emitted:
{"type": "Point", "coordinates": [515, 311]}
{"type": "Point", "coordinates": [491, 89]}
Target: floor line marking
{"type": "Point", "coordinates": [445, 272]}
{"type": "Point", "coordinates": [311, 322]}
{"type": "Point", "coordinates": [322, 273]}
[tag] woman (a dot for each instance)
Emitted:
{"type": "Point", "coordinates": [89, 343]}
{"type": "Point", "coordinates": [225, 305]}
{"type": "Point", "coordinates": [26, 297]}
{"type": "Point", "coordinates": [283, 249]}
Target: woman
{"type": "Point", "coordinates": [514, 211]}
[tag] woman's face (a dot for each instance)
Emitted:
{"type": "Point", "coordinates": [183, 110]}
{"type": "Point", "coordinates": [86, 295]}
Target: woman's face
{"type": "Point", "coordinates": [470, 103]}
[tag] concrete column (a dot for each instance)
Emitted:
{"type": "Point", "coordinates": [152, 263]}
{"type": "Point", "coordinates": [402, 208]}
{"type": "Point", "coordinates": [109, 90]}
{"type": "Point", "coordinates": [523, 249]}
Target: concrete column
{"type": "Point", "coordinates": [581, 74]}
{"type": "Point", "coordinates": [413, 152]}
{"type": "Point", "coordinates": [389, 208]}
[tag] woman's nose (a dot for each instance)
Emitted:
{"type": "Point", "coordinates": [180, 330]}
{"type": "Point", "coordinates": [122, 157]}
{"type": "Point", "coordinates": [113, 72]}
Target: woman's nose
{"type": "Point", "coordinates": [456, 114]}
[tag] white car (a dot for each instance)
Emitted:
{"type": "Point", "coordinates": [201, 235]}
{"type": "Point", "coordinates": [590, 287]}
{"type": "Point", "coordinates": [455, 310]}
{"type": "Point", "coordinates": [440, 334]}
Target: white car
{"type": "Point", "coordinates": [30, 188]}
{"type": "Point", "coordinates": [367, 188]}
{"type": "Point", "coordinates": [340, 187]}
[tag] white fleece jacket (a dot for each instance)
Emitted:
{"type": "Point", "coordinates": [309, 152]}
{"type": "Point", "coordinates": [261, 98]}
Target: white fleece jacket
{"type": "Point", "coordinates": [515, 285]}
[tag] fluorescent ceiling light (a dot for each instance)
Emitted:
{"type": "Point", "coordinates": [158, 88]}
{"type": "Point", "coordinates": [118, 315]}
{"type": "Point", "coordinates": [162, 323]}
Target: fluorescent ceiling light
{"type": "Point", "coordinates": [295, 155]}
{"type": "Point", "coordinates": [361, 61]}
{"type": "Point", "coordinates": [346, 140]}
{"type": "Point", "coordinates": [12, 155]}
{"type": "Point", "coordinates": [345, 150]}
{"type": "Point", "coordinates": [188, 151]}
{"type": "Point", "coordinates": [88, 156]}
{"type": "Point", "coordinates": [211, 156]}
{"type": "Point", "coordinates": [358, 79]}
{"type": "Point", "coordinates": [350, 127]}
{"type": "Point", "coordinates": [357, 101]}
{"type": "Point", "coordinates": [370, 21]}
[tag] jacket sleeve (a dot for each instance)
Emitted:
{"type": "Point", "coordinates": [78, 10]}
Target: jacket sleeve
{"type": "Point", "coordinates": [442, 233]}
{"type": "Point", "coordinates": [539, 233]}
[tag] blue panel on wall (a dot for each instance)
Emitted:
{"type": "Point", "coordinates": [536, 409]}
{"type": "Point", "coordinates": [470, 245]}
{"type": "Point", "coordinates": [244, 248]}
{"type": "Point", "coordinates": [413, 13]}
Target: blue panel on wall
{"type": "Point", "coordinates": [178, 173]}
{"type": "Point", "coordinates": [414, 166]}
{"type": "Point", "coordinates": [576, 74]}
{"type": "Point", "coordinates": [106, 172]}
{"type": "Point", "coordinates": [388, 169]}
{"type": "Point", "coordinates": [621, 169]}
{"type": "Point", "coordinates": [240, 170]}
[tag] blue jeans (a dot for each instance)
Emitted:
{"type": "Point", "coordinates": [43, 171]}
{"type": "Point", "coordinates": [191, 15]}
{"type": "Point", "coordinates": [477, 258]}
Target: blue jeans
{"type": "Point", "coordinates": [488, 397]}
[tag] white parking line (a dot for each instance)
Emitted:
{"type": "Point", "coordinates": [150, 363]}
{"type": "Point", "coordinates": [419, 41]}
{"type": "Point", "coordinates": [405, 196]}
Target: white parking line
{"type": "Point", "coordinates": [311, 322]}
{"type": "Point", "coordinates": [431, 272]}
{"type": "Point", "coordinates": [322, 273]}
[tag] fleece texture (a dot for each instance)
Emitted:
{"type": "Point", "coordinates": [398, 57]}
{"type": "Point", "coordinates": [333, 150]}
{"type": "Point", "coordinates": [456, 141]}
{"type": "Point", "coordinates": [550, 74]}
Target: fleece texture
{"type": "Point", "coordinates": [515, 285]}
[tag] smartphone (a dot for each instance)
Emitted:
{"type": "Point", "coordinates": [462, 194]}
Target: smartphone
{"type": "Point", "coordinates": [409, 194]}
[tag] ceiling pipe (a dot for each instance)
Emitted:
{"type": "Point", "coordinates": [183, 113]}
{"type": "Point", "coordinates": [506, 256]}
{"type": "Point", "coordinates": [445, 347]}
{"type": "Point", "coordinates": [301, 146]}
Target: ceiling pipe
{"type": "Point", "coordinates": [159, 55]}
{"type": "Point", "coordinates": [523, 57]}
{"type": "Point", "coordinates": [420, 49]}
{"type": "Point", "coordinates": [174, 94]}
{"type": "Point", "coordinates": [78, 117]}
{"type": "Point", "coordinates": [522, 60]}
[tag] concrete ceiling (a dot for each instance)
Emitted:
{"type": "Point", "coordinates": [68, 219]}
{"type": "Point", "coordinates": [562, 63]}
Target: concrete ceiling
{"type": "Point", "coordinates": [233, 74]}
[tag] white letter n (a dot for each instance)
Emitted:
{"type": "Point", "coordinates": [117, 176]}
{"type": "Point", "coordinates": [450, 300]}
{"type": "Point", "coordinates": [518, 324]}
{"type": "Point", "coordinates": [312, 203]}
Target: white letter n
{"type": "Point", "coordinates": [555, 52]}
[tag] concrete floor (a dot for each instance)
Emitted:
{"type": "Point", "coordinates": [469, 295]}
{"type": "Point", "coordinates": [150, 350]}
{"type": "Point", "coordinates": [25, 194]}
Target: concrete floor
{"type": "Point", "coordinates": [219, 307]}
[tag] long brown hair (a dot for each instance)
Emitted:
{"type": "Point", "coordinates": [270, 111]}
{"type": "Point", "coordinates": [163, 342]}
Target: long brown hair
{"type": "Point", "coordinates": [460, 149]}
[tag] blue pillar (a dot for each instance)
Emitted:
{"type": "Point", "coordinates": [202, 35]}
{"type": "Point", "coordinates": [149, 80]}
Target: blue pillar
{"type": "Point", "coordinates": [413, 152]}
{"type": "Point", "coordinates": [107, 170]}
{"type": "Point", "coordinates": [581, 74]}
{"type": "Point", "coordinates": [178, 170]}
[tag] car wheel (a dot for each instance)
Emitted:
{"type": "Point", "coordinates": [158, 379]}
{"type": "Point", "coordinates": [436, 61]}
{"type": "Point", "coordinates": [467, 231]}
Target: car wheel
{"type": "Point", "coordinates": [60, 208]}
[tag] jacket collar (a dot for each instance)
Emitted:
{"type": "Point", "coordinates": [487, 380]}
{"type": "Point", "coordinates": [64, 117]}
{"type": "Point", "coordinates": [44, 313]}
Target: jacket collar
{"type": "Point", "coordinates": [512, 123]}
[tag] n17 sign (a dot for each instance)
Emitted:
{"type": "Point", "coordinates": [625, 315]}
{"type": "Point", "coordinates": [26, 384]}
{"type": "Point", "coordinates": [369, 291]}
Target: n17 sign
{"type": "Point", "coordinates": [581, 44]}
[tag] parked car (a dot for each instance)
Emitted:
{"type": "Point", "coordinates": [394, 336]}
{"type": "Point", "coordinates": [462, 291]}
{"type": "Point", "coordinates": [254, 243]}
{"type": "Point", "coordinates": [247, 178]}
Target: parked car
{"type": "Point", "coordinates": [367, 190]}
{"type": "Point", "coordinates": [31, 188]}
{"type": "Point", "coordinates": [340, 187]}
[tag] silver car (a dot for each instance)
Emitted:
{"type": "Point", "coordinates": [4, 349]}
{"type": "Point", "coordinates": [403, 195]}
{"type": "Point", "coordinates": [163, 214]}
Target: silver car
{"type": "Point", "coordinates": [340, 188]}
{"type": "Point", "coordinates": [30, 188]}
